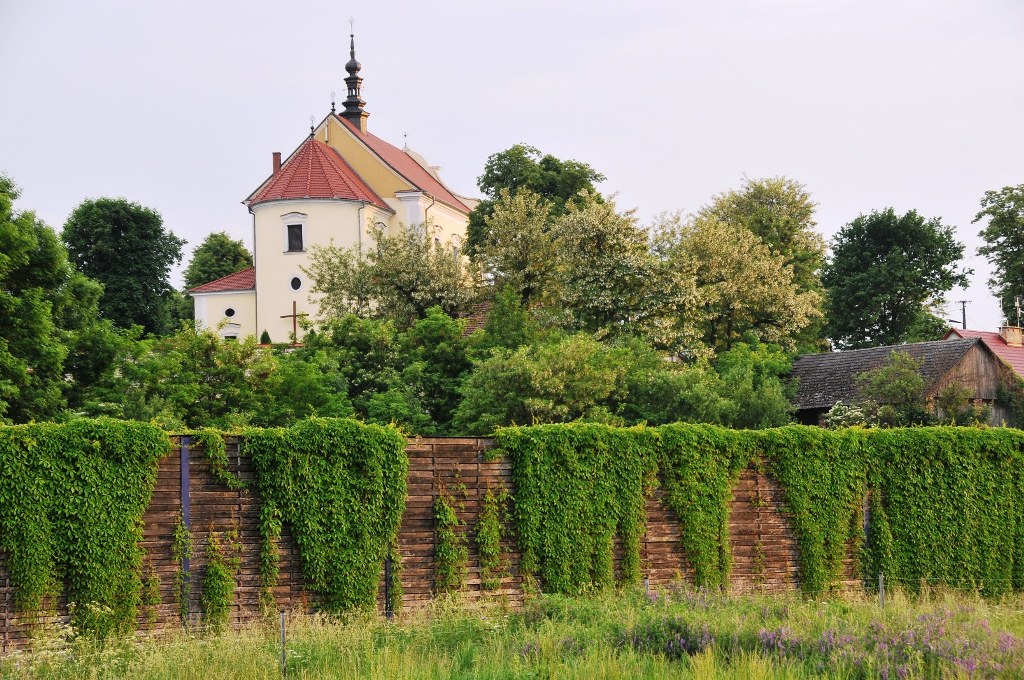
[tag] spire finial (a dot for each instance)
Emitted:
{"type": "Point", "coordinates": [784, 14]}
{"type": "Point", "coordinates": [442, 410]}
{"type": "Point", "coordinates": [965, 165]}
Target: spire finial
{"type": "Point", "coordinates": [354, 103]}
{"type": "Point", "coordinates": [332, 101]}
{"type": "Point", "coordinates": [311, 119]}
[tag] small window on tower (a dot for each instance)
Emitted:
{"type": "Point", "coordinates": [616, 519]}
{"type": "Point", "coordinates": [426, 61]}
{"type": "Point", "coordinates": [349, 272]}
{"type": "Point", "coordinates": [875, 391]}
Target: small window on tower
{"type": "Point", "coordinates": [229, 312]}
{"type": "Point", "coordinates": [295, 238]}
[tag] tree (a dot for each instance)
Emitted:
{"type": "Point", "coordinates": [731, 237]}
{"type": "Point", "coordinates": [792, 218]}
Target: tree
{"type": "Point", "coordinates": [518, 252]}
{"type": "Point", "coordinates": [607, 275]}
{"type": "Point", "coordinates": [887, 275]}
{"type": "Point", "coordinates": [216, 257]}
{"type": "Point", "coordinates": [741, 289]}
{"type": "Point", "coordinates": [50, 329]}
{"type": "Point", "coordinates": [400, 278]}
{"type": "Point", "coordinates": [780, 212]}
{"type": "Point", "coordinates": [893, 394]}
{"type": "Point", "coordinates": [125, 247]}
{"type": "Point", "coordinates": [1004, 245]}
{"type": "Point", "coordinates": [557, 182]}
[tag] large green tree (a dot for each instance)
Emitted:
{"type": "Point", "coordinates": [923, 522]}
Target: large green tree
{"type": "Point", "coordinates": [216, 257]}
{"type": "Point", "coordinates": [887, 276]}
{"type": "Point", "coordinates": [124, 246]}
{"type": "Point", "coordinates": [738, 288]}
{"type": "Point", "coordinates": [50, 329]}
{"type": "Point", "coordinates": [558, 182]}
{"type": "Point", "coordinates": [1004, 244]}
{"type": "Point", "coordinates": [780, 212]}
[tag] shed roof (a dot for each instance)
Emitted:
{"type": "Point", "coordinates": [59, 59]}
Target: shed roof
{"type": "Point", "coordinates": [1012, 356]}
{"type": "Point", "coordinates": [824, 379]}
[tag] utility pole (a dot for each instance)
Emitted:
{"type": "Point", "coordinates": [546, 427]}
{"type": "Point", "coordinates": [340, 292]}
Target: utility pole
{"type": "Point", "coordinates": [963, 313]}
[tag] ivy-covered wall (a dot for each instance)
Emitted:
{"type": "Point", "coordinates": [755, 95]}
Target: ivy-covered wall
{"type": "Point", "coordinates": [306, 518]}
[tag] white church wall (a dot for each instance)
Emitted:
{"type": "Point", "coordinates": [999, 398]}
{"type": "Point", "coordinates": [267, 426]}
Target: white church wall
{"type": "Point", "coordinates": [229, 314]}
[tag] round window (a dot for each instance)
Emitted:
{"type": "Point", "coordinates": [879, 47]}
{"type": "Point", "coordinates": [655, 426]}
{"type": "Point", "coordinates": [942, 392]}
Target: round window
{"type": "Point", "coordinates": [229, 312]}
{"type": "Point", "coordinates": [296, 283]}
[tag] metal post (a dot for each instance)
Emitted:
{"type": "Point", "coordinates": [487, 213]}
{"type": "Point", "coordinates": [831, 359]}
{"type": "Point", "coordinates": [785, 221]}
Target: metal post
{"type": "Point", "coordinates": [881, 590]}
{"type": "Point", "coordinates": [389, 611]}
{"type": "Point", "coordinates": [647, 585]}
{"type": "Point", "coordinates": [284, 657]}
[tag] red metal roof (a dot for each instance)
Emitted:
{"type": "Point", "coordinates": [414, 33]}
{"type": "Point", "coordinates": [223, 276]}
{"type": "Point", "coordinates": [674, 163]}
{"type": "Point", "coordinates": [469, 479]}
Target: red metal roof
{"type": "Point", "coordinates": [407, 166]}
{"type": "Point", "coordinates": [1012, 356]}
{"type": "Point", "coordinates": [237, 282]}
{"type": "Point", "coordinates": [316, 170]}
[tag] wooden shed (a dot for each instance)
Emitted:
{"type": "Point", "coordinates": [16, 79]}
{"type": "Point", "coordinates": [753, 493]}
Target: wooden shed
{"type": "Point", "coordinates": [824, 379]}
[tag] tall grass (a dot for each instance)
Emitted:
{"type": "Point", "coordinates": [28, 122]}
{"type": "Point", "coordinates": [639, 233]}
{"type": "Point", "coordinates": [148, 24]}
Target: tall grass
{"type": "Point", "coordinates": [682, 633]}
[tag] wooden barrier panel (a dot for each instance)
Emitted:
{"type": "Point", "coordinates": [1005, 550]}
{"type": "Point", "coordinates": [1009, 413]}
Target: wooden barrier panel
{"type": "Point", "coordinates": [760, 533]}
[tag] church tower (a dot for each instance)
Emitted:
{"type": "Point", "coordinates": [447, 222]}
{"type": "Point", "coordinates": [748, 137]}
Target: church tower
{"type": "Point", "coordinates": [338, 182]}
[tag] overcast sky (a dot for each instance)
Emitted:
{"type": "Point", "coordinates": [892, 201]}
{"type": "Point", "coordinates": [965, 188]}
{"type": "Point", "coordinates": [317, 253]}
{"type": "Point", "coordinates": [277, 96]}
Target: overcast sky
{"type": "Point", "coordinates": [869, 103]}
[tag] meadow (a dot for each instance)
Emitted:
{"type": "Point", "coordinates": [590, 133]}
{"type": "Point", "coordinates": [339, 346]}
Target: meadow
{"type": "Point", "coordinates": [681, 633]}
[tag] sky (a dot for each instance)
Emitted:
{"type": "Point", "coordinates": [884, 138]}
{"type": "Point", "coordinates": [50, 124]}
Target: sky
{"type": "Point", "coordinates": [910, 104]}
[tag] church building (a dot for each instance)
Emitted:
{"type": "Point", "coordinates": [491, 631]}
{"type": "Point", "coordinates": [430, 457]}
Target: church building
{"type": "Point", "coordinates": [337, 183]}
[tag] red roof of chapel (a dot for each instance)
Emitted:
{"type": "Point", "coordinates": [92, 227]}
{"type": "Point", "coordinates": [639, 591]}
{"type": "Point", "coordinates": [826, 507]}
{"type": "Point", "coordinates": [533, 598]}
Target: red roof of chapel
{"type": "Point", "coordinates": [237, 282]}
{"type": "Point", "coordinates": [316, 170]}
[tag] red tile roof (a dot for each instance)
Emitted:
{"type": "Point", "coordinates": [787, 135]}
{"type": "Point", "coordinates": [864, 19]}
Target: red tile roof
{"type": "Point", "coordinates": [1012, 356]}
{"type": "Point", "coordinates": [237, 282]}
{"type": "Point", "coordinates": [407, 166]}
{"type": "Point", "coordinates": [316, 170]}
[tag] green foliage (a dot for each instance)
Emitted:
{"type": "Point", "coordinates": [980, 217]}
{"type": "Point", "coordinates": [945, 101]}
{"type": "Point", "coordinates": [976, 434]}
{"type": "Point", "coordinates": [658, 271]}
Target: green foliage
{"type": "Point", "coordinates": [954, 405]}
{"type": "Point", "coordinates": [435, 354]}
{"type": "Point", "coordinates": [216, 257]}
{"type": "Point", "coordinates": [578, 486]}
{"type": "Point", "coordinates": [893, 394]}
{"type": "Point", "coordinates": [211, 442]}
{"type": "Point", "coordinates": [340, 485]}
{"type": "Point", "coordinates": [1004, 245]}
{"type": "Point", "coordinates": [953, 506]}
{"type": "Point", "coordinates": [699, 466]}
{"type": "Point", "coordinates": [489, 534]}
{"type": "Point", "coordinates": [124, 246]}
{"type": "Point", "coordinates": [522, 168]}
{"type": "Point", "coordinates": [822, 473]}
{"type": "Point", "coordinates": [71, 503]}
{"type": "Point", "coordinates": [181, 550]}
{"type": "Point", "coordinates": [218, 589]}
{"type": "Point", "coordinates": [270, 559]}
{"type": "Point", "coordinates": [886, 275]}
{"type": "Point", "coordinates": [450, 551]}
{"type": "Point", "coordinates": [50, 328]}
{"type": "Point", "coordinates": [398, 279]}
{"type": "Point", "coordinates": [264, 338]}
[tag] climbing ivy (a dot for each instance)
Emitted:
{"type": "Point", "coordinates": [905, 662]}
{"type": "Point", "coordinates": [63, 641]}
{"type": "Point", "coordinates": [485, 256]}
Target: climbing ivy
{"type": "Point", "coordinates": [489, 534]}
{"type": "Point", "coordinates": [699, 466]}
{"type": "Point", "coordinates": [340, 485]}
{"type": "Point", "coordinates": [151, 599]}
{"type": "Point", "coordinates": [450, 551]}
{"type": "Point", "coordinates": [578, 487]}
{"type": "Point", "coordinates": [211, 442]}
{"type": "Point", "coordinates": [181, 550]}
{"type": "Point", "coordinates": [270, 533]}
{"type": "Point", "coordinates": [822, 474]}
{"type": "Point", "coordinates": [218, 590]}
{"type": "Point", "coordinates": [72, 496]}
{"type": "Point", "coordinates": [949, 504]}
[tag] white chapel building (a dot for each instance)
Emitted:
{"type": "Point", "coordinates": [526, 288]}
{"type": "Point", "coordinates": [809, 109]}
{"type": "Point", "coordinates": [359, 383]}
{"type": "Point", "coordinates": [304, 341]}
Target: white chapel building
{"type": "Point", "coordinates": [337, 183]}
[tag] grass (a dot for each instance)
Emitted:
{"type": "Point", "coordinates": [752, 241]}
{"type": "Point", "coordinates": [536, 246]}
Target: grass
{"type": "Point", "coordinates": [679, 634]}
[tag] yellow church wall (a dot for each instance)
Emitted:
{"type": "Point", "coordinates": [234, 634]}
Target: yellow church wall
{"type": "Point", "coordinates": [210, 312]}
{"type": "Point", "coordinates": [382, 179]}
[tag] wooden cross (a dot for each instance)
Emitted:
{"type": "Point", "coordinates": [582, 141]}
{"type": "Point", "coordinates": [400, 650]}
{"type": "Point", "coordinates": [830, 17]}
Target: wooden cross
{"type": "Point", "coordinates": [294, 316]}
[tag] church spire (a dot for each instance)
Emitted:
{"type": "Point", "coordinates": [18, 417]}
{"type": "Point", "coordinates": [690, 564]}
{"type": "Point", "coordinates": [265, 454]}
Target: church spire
{"type": "Point", "coordinates": [353, 102]}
